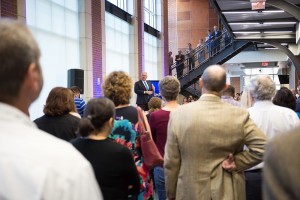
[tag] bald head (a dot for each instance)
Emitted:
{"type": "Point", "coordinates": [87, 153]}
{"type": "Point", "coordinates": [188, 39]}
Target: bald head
{"type": "Point", "coordinates": [262, 88]}
{"type": "Point", "coordinates": [214, 78]}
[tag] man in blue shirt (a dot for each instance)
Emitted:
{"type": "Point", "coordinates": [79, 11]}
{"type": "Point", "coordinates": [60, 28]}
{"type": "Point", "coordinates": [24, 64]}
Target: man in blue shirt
{"type": "Point", "coordinates": [79, 102]}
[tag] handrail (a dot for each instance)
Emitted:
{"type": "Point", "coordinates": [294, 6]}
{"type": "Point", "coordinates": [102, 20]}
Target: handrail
{"type": "Point", "coordinates": [200, 55]}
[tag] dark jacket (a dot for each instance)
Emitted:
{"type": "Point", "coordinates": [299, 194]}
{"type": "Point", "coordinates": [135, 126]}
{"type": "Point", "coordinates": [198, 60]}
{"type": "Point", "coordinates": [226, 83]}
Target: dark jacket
{"type": "Point", "coordinates": [139, 89]}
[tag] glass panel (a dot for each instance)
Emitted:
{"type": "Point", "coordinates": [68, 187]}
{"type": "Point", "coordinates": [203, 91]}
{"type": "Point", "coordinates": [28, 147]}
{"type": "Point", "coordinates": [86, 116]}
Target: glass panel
{"type": "Point", "coordinates": [58, 19]}
{"type": "Point", "coordinates": [43, 13]}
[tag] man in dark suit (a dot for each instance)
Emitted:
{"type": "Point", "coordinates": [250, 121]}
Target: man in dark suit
{"type": "Point", "coordinates": [144, 91]}
{"type": "Point", "coordinates": [216, 37]}
{"type": "Point", "coordinates": [179, 64]}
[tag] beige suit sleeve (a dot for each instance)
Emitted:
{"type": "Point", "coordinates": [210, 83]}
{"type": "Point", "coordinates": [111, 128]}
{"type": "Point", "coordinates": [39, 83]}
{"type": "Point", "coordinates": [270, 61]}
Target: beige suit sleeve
{"type": "Point", "coordinates": [255, 140]}
{"type": "Point", "coordinates": [172, 159]}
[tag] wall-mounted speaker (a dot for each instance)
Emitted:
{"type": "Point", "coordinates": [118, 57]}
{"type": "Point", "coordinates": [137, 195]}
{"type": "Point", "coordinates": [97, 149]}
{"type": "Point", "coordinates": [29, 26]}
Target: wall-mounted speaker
{"type": "Point", "coordinates": [284, 79]}
{"type": "Point", "coordinates": [76, 78]}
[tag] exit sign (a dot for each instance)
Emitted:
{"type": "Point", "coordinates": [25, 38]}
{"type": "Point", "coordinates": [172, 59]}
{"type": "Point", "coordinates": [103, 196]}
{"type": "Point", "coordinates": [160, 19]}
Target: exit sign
{"type": "Point", "coordinates": [265, 64]}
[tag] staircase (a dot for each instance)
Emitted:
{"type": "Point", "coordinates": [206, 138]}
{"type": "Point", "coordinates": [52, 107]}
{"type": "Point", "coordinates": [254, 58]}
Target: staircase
{"type": "Point", "coordinates": [203, 56]}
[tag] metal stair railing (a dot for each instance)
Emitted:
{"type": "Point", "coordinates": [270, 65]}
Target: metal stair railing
{"type": "Point", "coordinates": [201, 54]}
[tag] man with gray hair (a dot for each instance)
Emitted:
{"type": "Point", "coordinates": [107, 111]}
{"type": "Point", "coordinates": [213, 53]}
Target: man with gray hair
{"type": "Point", "coordinates": [271, 119]}
{"type": "Point", "coordinates": [33, 164]}
{"type": "Point", "coordinates": [204, 155]}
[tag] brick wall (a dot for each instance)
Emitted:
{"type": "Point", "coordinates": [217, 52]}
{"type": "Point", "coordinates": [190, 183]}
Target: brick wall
{"type": "Point", "coordinates": [166, 38]}
{"type": "Point", "coordinates": [192, 20]}
{"type": "Point", "coordinates": [9, 8]}
{"type": "Point", "coordinates": [140, 21]}
{"type": "Point", "coordinates": [97, 47]}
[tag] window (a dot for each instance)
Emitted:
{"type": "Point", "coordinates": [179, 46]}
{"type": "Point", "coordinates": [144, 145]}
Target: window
{"type": "Point", "coordinates": [126, 5]}
{"type": "Point", "coordinates": [55, 26]}
{"type": "Point", "coordinates": [117, 44]}
{"type": "Point", "coordinates": [151, 55]}
{"type": "Point", "coordinates": [150, 12]}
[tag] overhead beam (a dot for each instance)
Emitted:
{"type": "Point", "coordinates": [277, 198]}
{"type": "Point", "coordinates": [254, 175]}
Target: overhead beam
{"type": "Point", "coordinates": [286, 6]}
{"type": "Point", "coordinates": [222, 17]}
{"type": "Point", "coordinates": [262, 29]}
{"type": "Point", "coordinates": [290, 19]}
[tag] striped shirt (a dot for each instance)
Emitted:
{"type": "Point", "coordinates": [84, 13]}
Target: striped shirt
{"type": "Point", "coordinates": [80, 105]}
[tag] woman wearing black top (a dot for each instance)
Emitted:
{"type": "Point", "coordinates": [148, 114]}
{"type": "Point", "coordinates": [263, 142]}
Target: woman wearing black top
{"type": "Point", "coordinates": [113, 163]}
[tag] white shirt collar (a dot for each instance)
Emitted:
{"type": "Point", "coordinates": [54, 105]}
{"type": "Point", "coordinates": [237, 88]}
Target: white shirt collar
{"type": "Point", "coordinates": [10, 113]}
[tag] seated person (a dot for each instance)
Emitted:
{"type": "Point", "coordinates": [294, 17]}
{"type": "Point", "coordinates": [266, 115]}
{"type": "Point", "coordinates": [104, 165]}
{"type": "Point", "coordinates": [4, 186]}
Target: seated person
{"type": "Point", "coordinates": [113, 163]}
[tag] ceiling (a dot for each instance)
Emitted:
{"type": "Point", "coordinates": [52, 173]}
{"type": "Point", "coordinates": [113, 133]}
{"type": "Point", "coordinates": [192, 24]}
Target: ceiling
{"type": "Point", "coordinates": [271, 24]}
{"type": "Point", "coordinates": [274, 26]}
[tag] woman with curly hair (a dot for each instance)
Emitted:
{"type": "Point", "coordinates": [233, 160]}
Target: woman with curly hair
{"type": "Point", "coordinates": [154, 104]}
{"type": "Point", "coordinates": [118, 86]}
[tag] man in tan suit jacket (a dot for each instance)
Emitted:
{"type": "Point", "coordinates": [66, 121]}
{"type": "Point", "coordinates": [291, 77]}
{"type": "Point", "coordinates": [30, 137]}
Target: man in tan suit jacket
{"type": "Point", "coordinates": [204, 156]}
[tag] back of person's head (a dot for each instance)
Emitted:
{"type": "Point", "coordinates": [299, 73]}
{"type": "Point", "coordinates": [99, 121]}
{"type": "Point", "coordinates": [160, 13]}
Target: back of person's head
{"type": "Point", "coordinates": [97, 113]}
{"type": "Point", "coordinates": [229, 91]}
{"type": "Point", "coordinates": [214, 79]}
{"type": "Point", "coordinates": [169, 88]}
{"type": "Point", "coordinates": [60, 101]}
{"type": "Point", "coordinates": [285, 98]}
{"type": "Point", "coordinates": [117, 86]}
{"type": "Point", "coordinates": [262, 88]}
{"type": "Point", "coordinates": [18, 51]}
{"type": "Point", "coordinates": [75, 89]}
{"type": "Point", "coordinates": [154, 104]}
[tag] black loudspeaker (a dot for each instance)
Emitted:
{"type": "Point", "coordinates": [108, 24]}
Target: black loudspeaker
{"type": "Point", "coordinates": [283, 79]}
{"type": "Point", "coordinates": [76, 78]}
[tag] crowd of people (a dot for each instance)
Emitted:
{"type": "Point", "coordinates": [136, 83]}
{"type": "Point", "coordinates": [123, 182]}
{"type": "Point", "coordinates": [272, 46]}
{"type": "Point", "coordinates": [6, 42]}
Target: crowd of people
{"type": "Point", "coordinates": [213, 148]}
{"type": "Point", "coordinates": [215, 41]}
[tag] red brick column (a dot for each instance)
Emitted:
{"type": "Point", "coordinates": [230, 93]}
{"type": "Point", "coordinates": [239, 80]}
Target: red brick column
{"type": "Point", "coordinates": [9, 8]}
{"type": "Point", "coordinates": [236, 82]}
{"type": "Point", "coordinates": [97, 47]}
{"type": "Point", "coordinates": [140, 25]}
{"type": "Point", "coordinates": [165, 32]}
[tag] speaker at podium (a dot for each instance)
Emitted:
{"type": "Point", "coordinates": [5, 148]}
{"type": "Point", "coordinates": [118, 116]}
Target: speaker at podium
{"type": "Point", "coordinates": [76, 78]}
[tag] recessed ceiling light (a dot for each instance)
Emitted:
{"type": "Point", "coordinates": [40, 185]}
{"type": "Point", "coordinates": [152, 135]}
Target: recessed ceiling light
{"type": "Point", "coordinates": [245, 23]}
{"type": "Point", "coordinates": [245, 32]}
{"type": "Point", "coordinates": [280, 23]}
{"type": "Point", "coordinates": [273, 11]}
{"type": "Point", "coordinates": [278, 31]}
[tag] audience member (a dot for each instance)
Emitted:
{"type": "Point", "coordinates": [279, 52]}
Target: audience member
{"type": "Point", "coordinates": [79, 102]}
{"type": "Point", "coordinates": [216, 40]}
{"type": "Point", "coordinates": [246, 100]}
{"type": "Point", "coordinates": [201, 51]}
{"type": "Point", "coordinates": [169, 88]}
{"type": "Point", "coordinates": [170, 59]}
{"type": "Point", "coordinates": [184, 100]}
{"type": "Point", "coordinates": [105, 155]}
{"type": "Point", "coordinates": [271, 119]}
{"type": "Point", "coordinates": [281, 169]}
{"type": "Point", "coordinates": [227, 96]}
{"type": "Point", "coordinates": [144, 90]}
{"type": "Point", "coordinates": [285, 98]}
{"type": "Point", "coordinates": [298, 107]}
{"type": "Point", "coordinates": [190, 56]}
{"type": "Point", "coordinates": [33, 164]}
{"type": "Point", "coordinates": [209, 41]}
{"type": "Point", "coordinates": [117, 87]}
{"type": "Point", "coordinates": [154, 104]}
{"type": "Point", "coordinates": [179, 64]}
{"type": "Point", "coordinates": [57, 119]}
{"type": "Point", "coordinates": [204, 156]}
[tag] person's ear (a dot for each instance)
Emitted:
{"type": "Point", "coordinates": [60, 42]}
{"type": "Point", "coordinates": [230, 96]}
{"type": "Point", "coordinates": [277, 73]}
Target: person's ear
{"type": "Point", "coordinates": [111, 122]}
{"type": "Point", "coordinates": [200, 83]}
{"type": "Point", "coordinates": [35, 79]}
{"type": "Point", "coordinates": [225, 87]}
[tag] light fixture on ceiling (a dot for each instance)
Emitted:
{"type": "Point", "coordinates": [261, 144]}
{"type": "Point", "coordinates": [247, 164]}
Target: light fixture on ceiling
{"type": "Point", "coordinates": [273, 11]}
{"type": "Point", "coordinates": [252, 12]}
{"type": "Point", "coordinates": [278, 31]}
{"type": "Point", "coordinates": [279, 23]}
{"type": "Point", "coordinates": [246, 32]}
{"type": "Point", "coordinates": [244, 23]}
{"type": "Point", "coordinates": [239, 12]}
{"type": "Point", "coordinates": [257, 23]}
